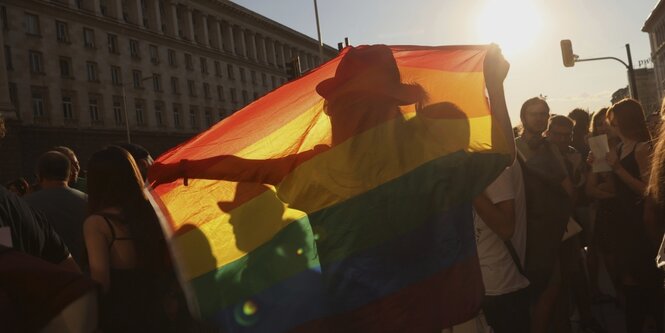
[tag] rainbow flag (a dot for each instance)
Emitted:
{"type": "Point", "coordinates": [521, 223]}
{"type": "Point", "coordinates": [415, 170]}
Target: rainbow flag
{"type": "Point", "coordinates": [340, 201]}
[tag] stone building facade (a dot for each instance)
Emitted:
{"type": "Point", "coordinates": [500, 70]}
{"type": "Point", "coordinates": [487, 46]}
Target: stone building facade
{"type": "Point", "coordinates": [86, 73]}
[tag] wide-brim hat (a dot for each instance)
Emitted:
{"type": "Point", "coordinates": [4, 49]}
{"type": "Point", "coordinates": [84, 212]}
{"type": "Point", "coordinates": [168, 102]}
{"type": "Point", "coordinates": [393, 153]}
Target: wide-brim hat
{"type": "Point", "coordinates": [373, 70]}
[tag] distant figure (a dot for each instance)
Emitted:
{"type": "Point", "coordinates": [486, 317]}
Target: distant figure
{"type": "Point", "coordinates": [18, 186]}
{"type": "Point", "coordinates": [75, 181]}
{"type": "Point", "coordinates": [64, 207]}
{"type": "Point", "coordinates": [581, 130]}
{"type": "Point", "coordinates": [140, 155]}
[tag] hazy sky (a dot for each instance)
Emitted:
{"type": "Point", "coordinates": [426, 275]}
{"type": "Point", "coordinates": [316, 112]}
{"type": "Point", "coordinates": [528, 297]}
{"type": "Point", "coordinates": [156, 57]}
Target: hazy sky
{"type": "Point", "coordinates": [528, 30]}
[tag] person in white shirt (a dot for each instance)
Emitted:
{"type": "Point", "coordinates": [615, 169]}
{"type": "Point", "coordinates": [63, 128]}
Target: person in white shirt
{"type": "Point", "coordinates": [500, 225]}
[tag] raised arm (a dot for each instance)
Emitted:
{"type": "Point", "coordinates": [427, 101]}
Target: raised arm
{"type": "Point", "coordinates": [495, 70]}
{"type": "Point", "coordinates": [231, 168]}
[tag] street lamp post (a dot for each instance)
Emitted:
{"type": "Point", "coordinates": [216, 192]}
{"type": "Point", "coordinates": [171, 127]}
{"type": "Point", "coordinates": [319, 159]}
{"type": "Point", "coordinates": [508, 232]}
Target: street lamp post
{"type": "Point", "coordinates": [569, 60]}
{"type": "Point", "coordinates": [124, 102]}
{"type": "Point", "coordinates": [318, 31]}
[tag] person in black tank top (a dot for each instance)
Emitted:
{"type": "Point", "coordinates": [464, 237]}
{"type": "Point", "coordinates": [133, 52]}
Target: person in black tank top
{"type": "Point", "coordinates": [640, 279]}
{"type": "Point", "coordinates": [126, 249]}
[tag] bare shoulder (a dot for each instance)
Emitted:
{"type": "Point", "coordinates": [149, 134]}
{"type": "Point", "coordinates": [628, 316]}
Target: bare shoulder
{"type": "Point", "coordinates": [95, 223]}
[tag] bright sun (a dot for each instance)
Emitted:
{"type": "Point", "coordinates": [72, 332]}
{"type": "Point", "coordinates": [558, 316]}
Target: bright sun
{"type": "Point", "coordinates": [513, 24]}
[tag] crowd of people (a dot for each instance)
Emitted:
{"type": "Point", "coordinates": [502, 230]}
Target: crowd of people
{"type": "Point", "coordinates": [100, 228]}
{"type": "Point", "coordinates": [556, 216]}
{"type": "Point", "coordinates": [563, 210]}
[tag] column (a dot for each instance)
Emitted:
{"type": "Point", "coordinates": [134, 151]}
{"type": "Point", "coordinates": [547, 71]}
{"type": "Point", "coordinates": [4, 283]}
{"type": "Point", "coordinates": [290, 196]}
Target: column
{"type": "Point", "coordinates": [241, 38]}
{"type": "Point", "coordinates": [95, 7]}
{"type": "Point", "coordinates": [204, 27]}
{"type": "Point", "coordinates": [282, 56]}
{"type": "Point", "coordinates": [229, 43]}
{"type": "Point", "coordinates": [215, 40]}
{"type": "Point", "coordinates": [252, 45]}
{"type": "Point", "coordinates": [303, 61]}
{"type": "Point", "coordinates": [188, 29]}
{"type": "Point", "coordinates": [134, 12]}
{"type": "Point", "coordinates": [260, 41]}
{"type": "Point", "coordinates": [171, 19]}
{"type": "Point", "coordinates": [115, 9]}
{"type": "Point", "coordinates": [154, 16]}
{"type": "Point", "coordinates": [270, 46]}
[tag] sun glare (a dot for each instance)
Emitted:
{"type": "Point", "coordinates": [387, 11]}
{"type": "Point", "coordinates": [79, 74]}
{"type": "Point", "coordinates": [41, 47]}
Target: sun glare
{"type": "Point", "coordinates": [513, 24]}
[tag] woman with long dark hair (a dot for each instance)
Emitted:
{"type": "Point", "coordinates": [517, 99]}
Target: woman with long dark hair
{"type": "Point", "coordinates": [630, 162]}
{"type": "Point", "coordinates": [124, 244]}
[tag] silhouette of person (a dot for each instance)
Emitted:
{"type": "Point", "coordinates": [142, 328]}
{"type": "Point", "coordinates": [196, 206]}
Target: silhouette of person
{"type": "Point", "coordinates": [362, 211]}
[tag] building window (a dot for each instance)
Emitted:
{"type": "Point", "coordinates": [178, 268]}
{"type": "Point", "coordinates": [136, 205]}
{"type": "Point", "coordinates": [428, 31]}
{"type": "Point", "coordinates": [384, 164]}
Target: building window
{"type": "Point", "coordinates": [264, 79]}
{"type": "Point", "coordinates": [93, 108]}
{"type": "Point", "coordinates": [134, 48]}
{"type": "Point", "coordinates": [67, 108]}
{"type": "Point", "coordinates": [113, 43]}
{"type": "Point", "coordinates": [116, 75]}
{"type": "Point", "coordinates": [175, 85]}
{"type": "Point", "coordinates": [242, 74]}
{"type": "Point", "coordinates": [32, 24]}
{"type": "Point", "coordinates": [157, 82]}
{"type": "Point", "coordinates": [220, 93]}
{"type": "Point", "coordinates": [253, 76]}
{"type": "Point", "coordinates": [274, 81]}
{"type": "Point", "coordinates": [61, 31]}
{"type": "Point", "coordinates": [154, 55]}
{"type": "Point", "coordinates": [191, 86]}
{"type": "Point", "coordinates": [208, 118]}
{"type": "Point", "coordinates": [218, 69]}
{"type": "Point", "coordinates": [193, 117]}
{"type": "Point", "coordinates": [118, 114]}
{"type": "Point", "coordinates": [245, 97]}
{"type": "Point", "coordinates": [234, 98]}
{"type": "Point", "coordinates": [176, 116]}
{"type": "Point", "coordinates": [91, 68]}
{"type": "Point", "coordinates": [139, 113]}
{"type": "Point", "coordinates": [66, 67]}
{"type": "Point", "coordinates": [36, 65]}
{"type": "Point", "coordinates": [256, 95]}
{"type": "Point", "coordinates": [158, 114]}
{"type": "Point", "coordinates": [13, 94]}
{"type": "Point", "coordinates": [88, 38]}
{"type": "Point", "coordinates": [172, 58]}
{"type": "Point", "coordinates": [136, 78]}
{"type": "Point", "coordinates": [38, 105]}
{"type": "Point", "coordinates": [188, 62]}
{"type": "Point", "coordinates": [229, 70]}
{"type": "Point", "coordinates": [8, 57]}
{"type": "Point", "coordinates": [206, 90]}
{"type": "Point", "coordinates": [204, 65]}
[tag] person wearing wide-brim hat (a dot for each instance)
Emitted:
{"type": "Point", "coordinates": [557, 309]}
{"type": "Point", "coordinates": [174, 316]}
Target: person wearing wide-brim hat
{"type": "Point", "coordinates": [370, 71]}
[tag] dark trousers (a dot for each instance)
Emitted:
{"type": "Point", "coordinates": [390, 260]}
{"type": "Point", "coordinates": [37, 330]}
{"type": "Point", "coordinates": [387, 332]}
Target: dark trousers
{"type": "Point", "coordinates": [508, 313]}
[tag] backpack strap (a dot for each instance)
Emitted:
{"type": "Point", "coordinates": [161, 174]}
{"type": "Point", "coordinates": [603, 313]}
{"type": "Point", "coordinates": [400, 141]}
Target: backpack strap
{"type": "Point", "coordinates": [513, 254]}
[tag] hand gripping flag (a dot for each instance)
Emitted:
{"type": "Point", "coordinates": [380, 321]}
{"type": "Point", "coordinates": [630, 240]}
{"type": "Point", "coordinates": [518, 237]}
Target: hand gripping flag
{"type": "Point", "coordinates": [340, 201]}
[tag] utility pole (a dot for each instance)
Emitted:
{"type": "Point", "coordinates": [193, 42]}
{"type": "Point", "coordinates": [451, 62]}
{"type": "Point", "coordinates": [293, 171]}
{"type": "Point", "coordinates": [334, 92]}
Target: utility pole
{"type": "Point", "coordinates": [318, 31]}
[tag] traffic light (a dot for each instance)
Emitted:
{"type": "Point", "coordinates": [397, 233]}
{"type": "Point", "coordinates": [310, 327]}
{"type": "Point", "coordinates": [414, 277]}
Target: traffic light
{"type": "Point", "coordinates": [567, 53]}
{"type": "Point", "coordinates": [293, 68]}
